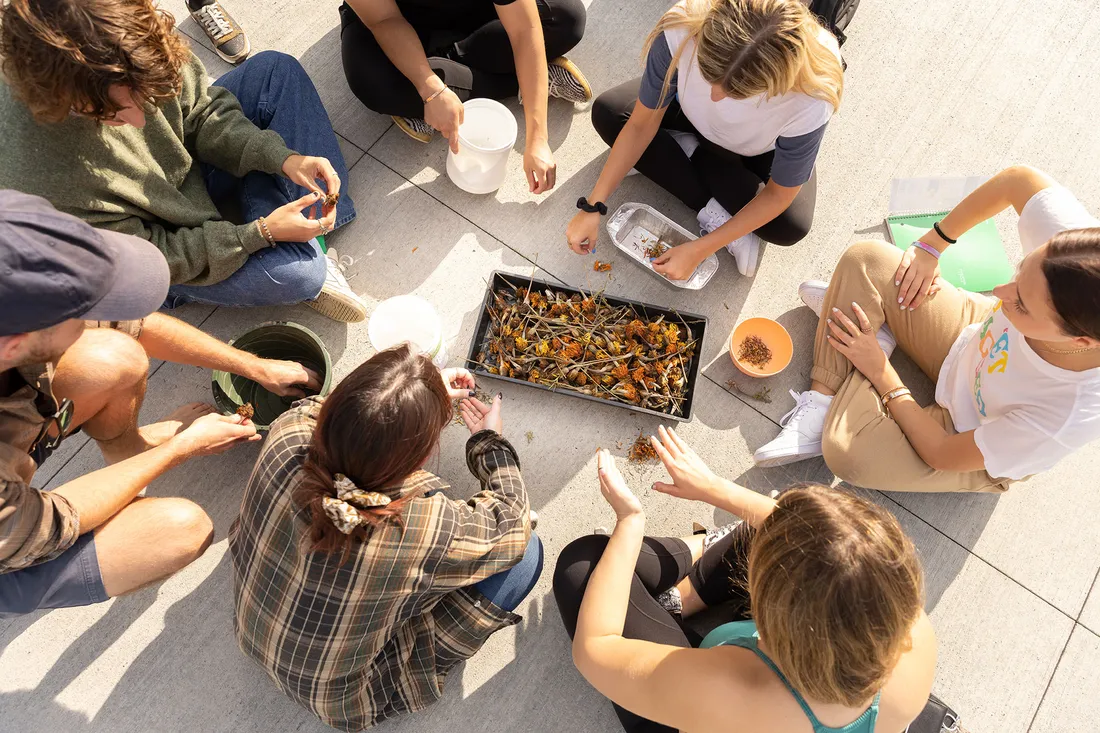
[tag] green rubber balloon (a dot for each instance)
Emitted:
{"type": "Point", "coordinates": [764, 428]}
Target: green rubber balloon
{"type": "Point", "coordinates": [272, 340]}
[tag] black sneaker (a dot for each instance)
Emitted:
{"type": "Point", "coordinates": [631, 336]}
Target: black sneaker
{"type": "Point", "coordinates": [415, 128]}
{"type": "Point", "coordinates": [567, 82]}
{"type": "Point", "coordinates": [229, 40]}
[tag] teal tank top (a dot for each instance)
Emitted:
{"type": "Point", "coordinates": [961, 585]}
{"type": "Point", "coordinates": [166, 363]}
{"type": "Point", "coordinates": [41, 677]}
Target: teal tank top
{"type": "Point", "coordinates": [743, 634]}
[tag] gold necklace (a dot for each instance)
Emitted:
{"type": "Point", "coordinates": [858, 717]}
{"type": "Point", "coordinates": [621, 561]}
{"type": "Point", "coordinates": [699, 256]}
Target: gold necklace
{"type": "Point", "coordinates": [1064, 352]}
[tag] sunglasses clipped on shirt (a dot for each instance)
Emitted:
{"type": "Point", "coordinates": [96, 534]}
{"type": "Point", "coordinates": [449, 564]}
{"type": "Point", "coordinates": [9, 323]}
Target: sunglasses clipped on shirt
{"type": "Point", "coordinates": [45, 444]}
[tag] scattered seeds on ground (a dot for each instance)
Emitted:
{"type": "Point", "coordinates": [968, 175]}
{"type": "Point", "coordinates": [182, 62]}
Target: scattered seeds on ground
{"type": "Point", "coordinates": [761, 395]}
{"type": "Point", "coordinates": [602, 266]}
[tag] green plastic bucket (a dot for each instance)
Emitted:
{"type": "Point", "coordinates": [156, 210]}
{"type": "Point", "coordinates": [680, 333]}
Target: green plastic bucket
{"type": "Point", "coordinates": [272, 340]}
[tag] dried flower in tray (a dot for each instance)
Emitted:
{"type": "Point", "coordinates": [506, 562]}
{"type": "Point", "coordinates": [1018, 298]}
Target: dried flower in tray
{"type": "Point", "coordinates": [602, 266]}
{"type": "Point", "coordinates": [642, 450]}
{"type": "Point", "coordinates": [246, 411]}
{"type": "Point", "coordinates": [582, 343]}
{"type": "Point", "coordinates": [754, 351]}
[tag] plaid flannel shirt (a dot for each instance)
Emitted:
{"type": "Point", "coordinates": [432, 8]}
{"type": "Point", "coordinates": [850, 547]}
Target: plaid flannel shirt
{"type": "Point", "coordinates": [376, 636]}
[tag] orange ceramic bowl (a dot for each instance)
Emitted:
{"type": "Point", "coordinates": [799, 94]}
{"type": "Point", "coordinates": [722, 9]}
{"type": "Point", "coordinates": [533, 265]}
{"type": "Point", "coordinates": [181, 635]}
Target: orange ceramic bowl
{"type": "Point", "coordinates": [774, 336]}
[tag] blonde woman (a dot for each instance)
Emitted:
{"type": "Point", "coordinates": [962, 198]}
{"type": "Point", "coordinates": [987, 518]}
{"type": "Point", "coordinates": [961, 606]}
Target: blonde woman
{"type": "Point", "coordinates": [837, 640]}
{"type": "Point", "coordinates": [728, 116]}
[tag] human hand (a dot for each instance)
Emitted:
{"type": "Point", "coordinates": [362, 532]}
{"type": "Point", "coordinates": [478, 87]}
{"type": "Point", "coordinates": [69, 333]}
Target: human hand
{"type": "Point", "coordinates": [285, 378]}
{"type": "Point", "coordinates": [583, 232]}
{"type": "Point", "coordinates": [539, 166]}
{"type": "Point", "coordinates": [306, 170]}
{"type": "Point", "coordinates": [679, 263]}
{"type": "Point", "coordinates": [446, 113]}
{"type": "Point", "coordinates": [288, 223]}
{"type": "Point", "coordinates": [691, 478]}
{"type": "Point", "coordinates": [460, 383]}
{"type": "Point", "coordinates": [213, 434]}
{"type": "Point", "coordinates": [614, 488]}
{"type": "Point", "coordinates": [856, 342]}
{"type": "Point", "coordinates": [918, 277]}
{"type": "Point", "coordinates": [478, 416]}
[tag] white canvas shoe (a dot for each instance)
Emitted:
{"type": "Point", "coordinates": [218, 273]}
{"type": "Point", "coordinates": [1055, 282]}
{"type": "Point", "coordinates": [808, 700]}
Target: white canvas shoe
{"type": "Point", "coordinates": [337, 300]}
{"type": "Point", "coordinates": [712, 216]}
{"type": "Point", "coordinates": [746, 253]}
{"type": "Point", "coordinates": [812, 293]}
{"type": "Point", "coordinates": [800, 438]}
{"type": "Point", "coordinates": [745, 250]}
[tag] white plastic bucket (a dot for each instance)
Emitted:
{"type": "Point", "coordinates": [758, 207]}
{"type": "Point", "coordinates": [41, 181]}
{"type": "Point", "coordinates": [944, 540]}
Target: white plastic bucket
{"type": "Point", "coordinates": [408, 318]}
{"type": "Point", "coordinates": [485, 139]}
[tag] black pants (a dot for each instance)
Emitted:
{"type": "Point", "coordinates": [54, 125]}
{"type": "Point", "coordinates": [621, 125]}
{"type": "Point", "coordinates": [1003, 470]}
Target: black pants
{"type": "Point", "coordinates": [469, 50]}
{"type": "Point", "coordinates": [711, 172]}
{"type": "Point", "coordinates": [720, 578]}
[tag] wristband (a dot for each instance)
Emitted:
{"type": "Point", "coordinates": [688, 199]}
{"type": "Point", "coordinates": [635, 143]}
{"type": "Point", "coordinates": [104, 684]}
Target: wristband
{"type": "Point", "coordinates": [436, 94]}
{"type": "Point", "coordinates": [927, 248]}
{"type": "Point", "coordinates": [893, 395]}
{"type": "Point", "coordinates": [944, 237]}
{"type": "Point", "coordinates": [599, 206]}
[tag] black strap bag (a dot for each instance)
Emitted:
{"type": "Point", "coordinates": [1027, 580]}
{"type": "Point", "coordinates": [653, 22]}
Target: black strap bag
{"type": "Point", "coordinates": [937, 717]}
{"type": "Point", "coordinates": [834, 15]}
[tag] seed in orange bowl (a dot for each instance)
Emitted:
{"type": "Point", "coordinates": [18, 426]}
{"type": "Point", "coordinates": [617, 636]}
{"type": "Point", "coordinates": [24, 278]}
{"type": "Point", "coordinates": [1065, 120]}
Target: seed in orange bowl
{"type": "Point", "coordinates": [760, 347]}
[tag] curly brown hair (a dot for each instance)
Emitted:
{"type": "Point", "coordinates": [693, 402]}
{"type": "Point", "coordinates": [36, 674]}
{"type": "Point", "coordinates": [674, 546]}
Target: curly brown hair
{"type": "Point", "coordinates": [61, 56]}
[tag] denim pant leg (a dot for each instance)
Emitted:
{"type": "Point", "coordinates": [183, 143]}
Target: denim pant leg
{"type": "Point", "coordinates": [276, 94]}
{"type": "Point", "coordinates": [508, 589]}
{"type": "Point", "coordinates": [282, 275]}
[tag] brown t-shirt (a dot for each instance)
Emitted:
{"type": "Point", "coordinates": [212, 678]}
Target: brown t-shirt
{"type": "Point", "coordinates": [35, 525]}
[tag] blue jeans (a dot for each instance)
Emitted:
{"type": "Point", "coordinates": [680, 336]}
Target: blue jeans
{"type": "Point", "coordinates": [276, 94]}
{"type": "Point", "coordinates": [508, 589]}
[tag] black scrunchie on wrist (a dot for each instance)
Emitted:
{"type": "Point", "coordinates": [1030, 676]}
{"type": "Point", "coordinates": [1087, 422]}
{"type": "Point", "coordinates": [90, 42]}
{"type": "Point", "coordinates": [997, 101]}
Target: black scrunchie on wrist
{"type": "Point", "coordinates": [599, 206]}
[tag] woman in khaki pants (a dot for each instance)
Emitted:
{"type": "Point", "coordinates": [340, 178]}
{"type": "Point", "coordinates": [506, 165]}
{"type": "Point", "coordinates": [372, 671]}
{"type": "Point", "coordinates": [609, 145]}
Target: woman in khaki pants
{"type": "Point", "coordinates": [1017, 374]}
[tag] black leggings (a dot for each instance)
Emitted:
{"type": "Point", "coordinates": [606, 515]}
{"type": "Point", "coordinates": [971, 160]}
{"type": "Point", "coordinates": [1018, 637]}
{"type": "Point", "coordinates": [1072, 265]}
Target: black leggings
{"type": "Point", "coordinates": [719, 578]}
{"type": "Point", "coordinates": [469, 50]}
{"type": "Point", "coordinates": [711, 172]}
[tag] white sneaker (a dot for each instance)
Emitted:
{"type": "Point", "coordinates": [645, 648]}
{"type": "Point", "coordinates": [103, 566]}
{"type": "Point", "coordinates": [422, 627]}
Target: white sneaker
{"type": "Point", "coordinates": [746, 253]}
{"type": "Point", "coordinates": [337, 300]}
{"type": "Point", "coordinates": [812, 293]}
{"type": "Point", "coordinates": [800, 438]}
{"type": "Point", "coordinates": [712, 216]}
{"type": "Point", "coordinates": [688, 142]}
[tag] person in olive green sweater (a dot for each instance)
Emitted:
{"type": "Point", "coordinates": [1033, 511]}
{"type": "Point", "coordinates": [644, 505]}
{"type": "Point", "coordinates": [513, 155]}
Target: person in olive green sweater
{"type": "Point", "coordinates": [106, 113]}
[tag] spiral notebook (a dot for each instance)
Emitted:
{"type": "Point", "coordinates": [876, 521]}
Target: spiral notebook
{"type": "Point", "coordinates": [977, 262]}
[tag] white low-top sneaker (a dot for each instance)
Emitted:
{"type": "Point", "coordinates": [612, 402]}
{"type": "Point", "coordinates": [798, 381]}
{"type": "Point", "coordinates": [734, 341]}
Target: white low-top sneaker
{"type": "Point", "coordinates": [712, 216]}
{"type": "Point", "coordinates": [800, 438]}
{"type": "Point", "coordinates": [337, 300]}
{"type": "Point", "coordinates": [812, 293]}
{"type": "Point", "coordinates": [746, 253]}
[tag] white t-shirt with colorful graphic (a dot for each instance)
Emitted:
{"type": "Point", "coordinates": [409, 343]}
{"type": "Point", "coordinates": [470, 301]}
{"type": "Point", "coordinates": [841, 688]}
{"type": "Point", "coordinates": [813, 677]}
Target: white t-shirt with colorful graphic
{"type": "Point", "coordinates": [1027, 414]}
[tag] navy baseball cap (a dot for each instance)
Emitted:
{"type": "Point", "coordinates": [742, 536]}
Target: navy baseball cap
{"type": "Point", "coordinates": [54, 267]}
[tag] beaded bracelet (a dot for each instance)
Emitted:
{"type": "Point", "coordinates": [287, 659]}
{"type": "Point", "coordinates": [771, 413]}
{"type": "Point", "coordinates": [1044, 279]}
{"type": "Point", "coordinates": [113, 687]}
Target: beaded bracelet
{"type": "Point", "coordinates": [927, 248]}
{"type": "Point", "coordinates": [261, 224]}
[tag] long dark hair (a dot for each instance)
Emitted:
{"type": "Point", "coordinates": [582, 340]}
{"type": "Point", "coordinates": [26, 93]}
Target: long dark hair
{"type": "Point", "coordinates": [377, 428]}
{"type": "Point", "coordinates": [1072, 269]}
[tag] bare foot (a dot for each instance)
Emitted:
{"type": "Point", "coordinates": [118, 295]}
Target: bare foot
{"type": "Point", "coordinates": [181, 417]}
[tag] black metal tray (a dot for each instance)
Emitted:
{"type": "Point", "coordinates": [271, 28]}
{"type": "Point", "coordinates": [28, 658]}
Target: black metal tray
{"type": "Point", "coordinates": [696, 324]}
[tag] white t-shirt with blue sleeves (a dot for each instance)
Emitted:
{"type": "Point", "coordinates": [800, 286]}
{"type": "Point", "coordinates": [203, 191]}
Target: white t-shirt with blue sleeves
{"type": "Point", "coordinates": [793, 124]}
